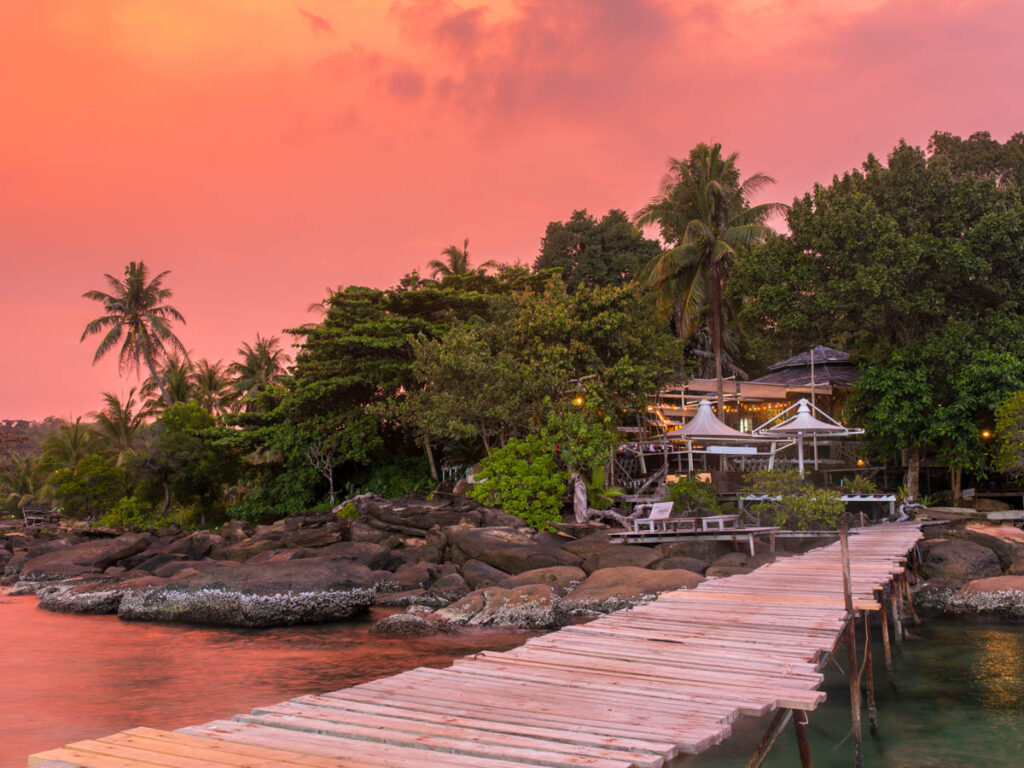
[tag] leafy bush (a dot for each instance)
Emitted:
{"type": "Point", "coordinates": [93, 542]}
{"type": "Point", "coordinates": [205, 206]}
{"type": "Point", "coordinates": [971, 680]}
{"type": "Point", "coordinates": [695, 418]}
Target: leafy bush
{"type": "Point", "coordinates": [860, 485]}
{"type": "Point", "coordinates": [693, 496]}
{"type": "Point", "coordinates": [1009, 455]}
{"type": "Point", "coordinates": [525, 480]}
{"type": "Point", "coordinates": [90, 489]}
{"type": "Point", "coordinates": [800, 506]}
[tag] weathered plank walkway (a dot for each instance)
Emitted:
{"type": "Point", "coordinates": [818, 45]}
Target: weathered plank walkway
{"type": "Point", "coordinates": [634, 688]}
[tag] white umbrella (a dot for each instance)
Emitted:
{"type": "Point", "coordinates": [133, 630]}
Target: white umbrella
{"type": "Point", "coordinates": [805, 423]}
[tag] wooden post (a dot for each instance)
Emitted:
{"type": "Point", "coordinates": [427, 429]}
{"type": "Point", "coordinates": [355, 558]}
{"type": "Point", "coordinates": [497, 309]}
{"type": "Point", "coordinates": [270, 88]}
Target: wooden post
{"type": "Point", "coordinates": [803, 745]}
{"type": "Point", "coordinates": [851, 650]}
{"type": "Point", "coordinates": [910, 601]}
{"type": "Point", "coordinates": [768, 740]}
{"type": "Point", "coordinates": [885, 642]}
{"type": "Point", "coordinates": [894, 609]}
{"type": "Point", "coordinates": [869, 674]}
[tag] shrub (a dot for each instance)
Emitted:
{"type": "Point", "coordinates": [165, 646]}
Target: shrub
{"type": "Point", "coordinates": [524, 479]}
{"type": "Point", "coordinates": [693, 496]}
{"type": "Point", "coordinates": [860, 484]}
{"type": "Point", "coordinates": [800, 506]}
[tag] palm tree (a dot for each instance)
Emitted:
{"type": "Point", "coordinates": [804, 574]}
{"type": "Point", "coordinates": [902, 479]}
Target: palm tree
{"type": "Point", "coordinates": [262, 364]}
{"type": "Point", "coordinates": [69, 444]}
{"type": "Point", "coordinates": [320, 307]}
{"type": "Point", "coordinates": [175, 378]}
{"type": "Point", "coordinates": [457, 262]}
{"type": "Point", "coordinates": [22, 480]}
{"type": "Point", "coordinates": [135, 311]}
{"type": "Point", "coordinates": [119, 422]}
{"type": "Point", "coordinates": [705, 215]}
{"type": "Point", "coordinates": [212, 386]}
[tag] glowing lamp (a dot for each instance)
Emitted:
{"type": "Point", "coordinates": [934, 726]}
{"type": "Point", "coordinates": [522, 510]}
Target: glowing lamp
{"type": "Point", "coordinates": [578, 400]}
{"type": "Point", "coordinates": [986, 434]}
{"type": "Point", "coordinates": [861, 462]}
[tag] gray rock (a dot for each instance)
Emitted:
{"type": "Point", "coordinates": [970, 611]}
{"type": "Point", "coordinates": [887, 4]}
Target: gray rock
{"type": "Point", "coordinates": [960, 560]}
{"type": "Point", "coordinates": [151, 563]}
{"type": "Point", "coordinates": [97, 554]}
{"type": "Point", "coordinates": [451, 588]}
{"type": "Point", "coordinates": [1007, 551]}
{"type": "Point", "coordinates": [685, 563]}
{"type": "Point", "coordinates": [409, 625]}
{"type": "Point", "coordinates": [371, 555]}
{"type": "Point", "coordinates": [590, 545]}
{"type": "Point", "coordinates": [612, 589]}
{"type": "Point", "coordinates": [533, 606]}
{"type": "Point", "coordinates": [414, 576]}
{"type": "Point", "coordinates": [708, 551]}
{"type": "Point", "coordinates": [196, 545]}
{"type": "Point", "coordinates": [721, 571]}
{"type": "Point", "coordinates": [622, 555]}
{"type": "Point", "coordinates": [560, 578]}
{"type": "Point", "coordinates": [479, 575]}
{"type": "Point", "coordinates": [507, 549]}
{"type": "Point", "coordinates": [234, 531]}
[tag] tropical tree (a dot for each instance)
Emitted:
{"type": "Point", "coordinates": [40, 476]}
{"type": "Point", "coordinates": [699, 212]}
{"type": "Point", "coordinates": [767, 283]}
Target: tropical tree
{"type": "Point", "coordinates": [137, 318]}
{"type": "Point", "coordinates": [262, 364]}
{"type": "Point", "coordinates": [23, 480]}
{"type": "Point", "coordinates": [705, 215]}
{"type": "Point", "coordinates": [456, 262]}
{"type": "Point", "coordinates": [119, 422]}
{"type": "Point", "coordinates": [176, 377]}
{"type": "Point", "coordinates": [320, 307]}
{"type": "Point", "coordinates": [212, 386]}
{"type": "Point", "coordinates": [68, 445]}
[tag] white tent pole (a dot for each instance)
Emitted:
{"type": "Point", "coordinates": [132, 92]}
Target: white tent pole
{"type": "Point", "coordinates": [800, 452]}
{"type": "Point", "coordinates": [689, 455]}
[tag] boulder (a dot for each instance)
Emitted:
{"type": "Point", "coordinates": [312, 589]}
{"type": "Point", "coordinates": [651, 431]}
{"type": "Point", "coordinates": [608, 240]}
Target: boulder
{"type": "Point", "coordinates": [409, 625]}
{"type": "Point", "coordinates": [995, 584]}
{"type": "Point", "coordinates": [94, 598]}
{"type": "Point", "coordinates": [310, 537]}
{"type": "Point", "coordinates": [280, 555]}
{"type": "Point", "coordinates": [245, 550]}
{"type": "Point", "coordinates": [1007, 551]}
{"type": "Point", "coordinates": [707, 551]}
{"type": "Point", "coordinates": [622, 555]}
{"type": "Point", "coordinates": [414, 576]}
{"type": "Point", "coordinates": [684, 563]}
{"type": "Point", "coordinates": [991, 505]}
{"type": "Point", "coordinates": [512, 550]}
{"type": "Point", "coordinates": [590, 545]}
{"type": "Point", "coordinates": [560, 578]}
{"type": "Point", "coordinates": [98, 554]}
{"type": "Point", "coordinates": [733, 560]}
{"type": "Point", "coordinates": [173, 568]}
{"type": "Point", "coordinates": [310, 590]}
{"type": "Point", "coordinates": [720, 571]}
{"type": "Point", "coordinates": [449, 588]}
{"type": "Point", "coordinates": [416, 554]}
{"type": "Point", "coordinates": [371, 555]}
{"type": "Point", "coordinates": [960, 560]}
{"type": "Point", "coordinates": [417, 599]}
{"type": "Point", "coordinates": [532, 606]}
{"type": "Point", "coordinates": [479, 575]}
{"type": "Point", "coordinates": [234, 531]}
{"type": "Point", "coordinates": [1016, 568]}
{"type": "Point", "coordinates": [1000, 598]}
{"type": "Point", "coordinates": [363, 531]}
{"type": "Point", "coordinates": [611, 589]}
{"type": "Point", "coordinates": [151, 563]}
{"type": "Point", "coordinates": [196, 545]}
{"type": "Point", "coordinates": [932, 598]}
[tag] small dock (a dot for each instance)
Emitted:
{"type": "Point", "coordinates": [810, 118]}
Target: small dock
{"type": "Point", "coordinates": [633, 688]}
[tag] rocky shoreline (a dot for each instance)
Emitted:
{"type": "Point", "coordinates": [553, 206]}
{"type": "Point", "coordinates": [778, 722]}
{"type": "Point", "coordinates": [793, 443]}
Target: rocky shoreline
{"type": "Point", "coordinates": [446, 561]}
{"type": "Point", "coordinates": [972, 572]}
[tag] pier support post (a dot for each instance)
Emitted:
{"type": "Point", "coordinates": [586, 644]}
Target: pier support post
{"type": "Point", "coordinates": [910, 601]}
{"type": "Point", "coordinates": [803, 745]}
{"type": "Point", "coordinates": [768, 740]}
{"type": "Point", "coordinates": [851, 651]}
{"type": "Point", "coordinates": [886, 649]}
{"type": "Point", "coordinates": [869, 674]}
{"type": "Point", "coordinates": [894, 606]}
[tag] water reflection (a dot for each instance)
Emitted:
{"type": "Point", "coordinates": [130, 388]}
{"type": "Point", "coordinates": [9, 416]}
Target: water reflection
{"type": "Point", "coordinates": [68, 678]}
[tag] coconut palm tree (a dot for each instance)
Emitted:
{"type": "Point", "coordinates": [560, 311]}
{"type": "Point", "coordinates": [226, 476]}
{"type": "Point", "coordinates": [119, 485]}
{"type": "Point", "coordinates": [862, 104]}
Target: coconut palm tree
{"type": "Point", "coordinates": [119, 422]}
{"type": "Point", "coordinates": [175, 378]}
{"type": "Point", "coordinates": [320, 307]}
{"type": "Point", "coordinates": [212, 386]}
{"type": "Point", "coordinates": [705, 216]}
{"type": "Point", "coordinates": [67, 445]}
{"type": "Point", "coordinates": [138, 319]}
{"type": "Point", "coordinates": [23, 480]}
{"type": "Point", "coordinates": [262, 364]}
{"type": "Point", "coordinates": [456, 263]}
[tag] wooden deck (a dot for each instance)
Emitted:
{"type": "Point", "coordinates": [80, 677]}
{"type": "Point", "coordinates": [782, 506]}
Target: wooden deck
{"type": "Point", "coordinates": [634, 688]}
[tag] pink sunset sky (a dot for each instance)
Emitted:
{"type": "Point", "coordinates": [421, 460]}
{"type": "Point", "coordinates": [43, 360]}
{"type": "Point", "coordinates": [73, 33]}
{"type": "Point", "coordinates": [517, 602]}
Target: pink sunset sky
{"type": "Point", "coordinates": [262, 150]}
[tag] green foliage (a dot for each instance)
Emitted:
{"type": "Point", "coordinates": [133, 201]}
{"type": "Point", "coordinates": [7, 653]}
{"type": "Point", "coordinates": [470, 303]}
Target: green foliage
{"type": "Point", "coordinates": [129, 512]}
{"type": "Point", "coordinates": [859, 484]}
{"type": "Point", "coordinates": [590, 252]}
{"type": "Point", "coordinates": [348, 510]}
{"type": "Point", "coordinates": [599, 494]}
{"type": "Point", "coordinates": [800, 506]}
{"type": "Point", "coordinates": [90, 489]}
{"type": "Point", "coordinates": [524, 479]}
{"type": "Point", "coordinates": [1009, 433]}
{"type": "Point", "coordinates": [692, 496]}
{"type": "Point", "coordinates": [393, 480]}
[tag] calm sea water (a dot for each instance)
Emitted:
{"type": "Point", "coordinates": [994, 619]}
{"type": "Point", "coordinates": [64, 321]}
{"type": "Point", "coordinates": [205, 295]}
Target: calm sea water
{"type": "Point", "coordinates": [960, 701]}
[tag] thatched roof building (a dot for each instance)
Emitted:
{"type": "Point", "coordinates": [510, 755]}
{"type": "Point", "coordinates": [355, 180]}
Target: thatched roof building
{"type": "Point", "coordinates": [824, 366]}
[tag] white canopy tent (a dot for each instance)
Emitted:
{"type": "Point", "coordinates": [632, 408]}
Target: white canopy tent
{"type": "Point", "coordinates": [719, 438]}
{"type": "Point", "coordinates": [804, 419]}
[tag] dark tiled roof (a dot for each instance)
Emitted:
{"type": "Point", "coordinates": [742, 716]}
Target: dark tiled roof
{"type": "Point", "coordinates": [842, 375]}
{"type": "Point", "coordinates": [822, 354]}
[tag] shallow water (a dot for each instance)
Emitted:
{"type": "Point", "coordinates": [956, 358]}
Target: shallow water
{"type": "Point", "coordinates": [65, 678]}
{"type": "Point", "coordinates": [959, 703]}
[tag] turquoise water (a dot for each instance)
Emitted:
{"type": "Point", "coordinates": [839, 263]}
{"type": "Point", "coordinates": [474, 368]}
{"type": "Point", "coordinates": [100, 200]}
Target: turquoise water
{"type": "Point", "coordinates": [959, 703]}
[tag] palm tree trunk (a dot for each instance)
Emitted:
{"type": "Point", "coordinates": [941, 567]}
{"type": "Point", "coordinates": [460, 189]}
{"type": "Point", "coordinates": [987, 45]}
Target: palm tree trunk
{"type": "Point", "coordinates": [913, 472]}
{"type": "Point", "coordinates": [160, 382]}
{"type": "Point", "coordinates": [430, 457]}
{"type": "Point", "coordinates": [715, 321]}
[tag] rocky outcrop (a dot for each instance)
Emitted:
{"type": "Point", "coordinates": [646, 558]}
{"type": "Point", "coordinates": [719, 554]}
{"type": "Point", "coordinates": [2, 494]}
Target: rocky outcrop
{"type": "Point", "coordinates": [479, 575]}
{"type": "Point", "coordinates": [561, 578]}
{"type": "Point", "coordinates": [680, 563]}
{"type": "Point", "coordinates": [621, 555]}
{"type": "Point", "coordinates": [410, 625]}
{"type": "Point", "coordinates": [511, 550]}
{"type": "Point", "coordinates": [612, 589]}
{"type": "Point", "coordinates": [533, 606]}
{"type": "Point", "coordinates": [92, 555]}
{"type": "Point", "coordinates": [960, 560]}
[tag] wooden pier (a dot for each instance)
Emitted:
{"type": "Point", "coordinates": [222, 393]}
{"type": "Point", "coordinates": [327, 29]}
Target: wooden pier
{"type": "Point", "coordinates": [633, 688]}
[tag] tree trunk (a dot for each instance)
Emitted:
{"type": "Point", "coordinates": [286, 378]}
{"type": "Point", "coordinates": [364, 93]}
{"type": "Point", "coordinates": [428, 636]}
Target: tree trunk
{"type": "Point", "coordinates": [167, 500]}
{"type": "Point", "coordinates": [430, 457]}
{"type": "Point", "coordinates": [956, 478]}
{"type": "Point", "coordinates": [913, 472]}
{"type": "Point", "coordinates": [715, 323]}
{"type": "Point", "coordinates": [159, 381]}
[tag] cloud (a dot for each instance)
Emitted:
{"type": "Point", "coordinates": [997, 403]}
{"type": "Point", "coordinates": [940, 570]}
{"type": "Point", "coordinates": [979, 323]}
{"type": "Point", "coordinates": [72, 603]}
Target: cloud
{"type": "Point", "coordinates": [318, 24]}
